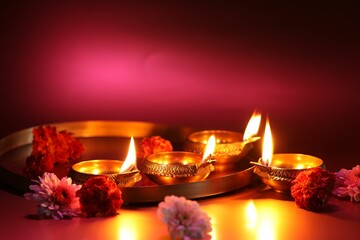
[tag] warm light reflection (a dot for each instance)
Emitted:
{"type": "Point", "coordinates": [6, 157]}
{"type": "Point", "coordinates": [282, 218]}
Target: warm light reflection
{"type": "Point", "coordinates": [130, 161]}
{"type": "Point", "coordinates": [213, 226]}
{"type": "Point", "coordinates": [268, 147]}
{"type": "Point", "coordinates": [127, 233]}
{"type": "Point", "coordinates": [300, 166]}
{"type": "Point", "coordinates": [252, 127]}
{"type": "Point", "coordinates": [210, 147]}
{"type": "Point", "coordinates": [96, 171]}
{"type": "Point", "coordinates": [127, 228]}
{"type": "Point", "coordinates": [251, 215]}
{"type": "Point", "coordinates": [267, 223]}
{"type": "Point", "coordinates": [266, 230]}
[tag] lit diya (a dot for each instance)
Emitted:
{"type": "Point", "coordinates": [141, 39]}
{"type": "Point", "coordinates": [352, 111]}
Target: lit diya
{"type": "Point", "coordinates": [180, 167]}
{"type": "Point", "coordinates": [124, 173]}
{"type": "Point", "coordinates": [230, 146]}
{"type": "Point", "coordinates": [279, 170]}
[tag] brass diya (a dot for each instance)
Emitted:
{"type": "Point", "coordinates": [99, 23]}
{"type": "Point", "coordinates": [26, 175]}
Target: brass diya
{"type": "Point", "coordinates": [82, 171]}
{"type": "Point", "coordinates": [177, 167]}
{"type": "Point", "coordinates": [284, 168]}
{"type": "Point", "coordinates": [230, 146]}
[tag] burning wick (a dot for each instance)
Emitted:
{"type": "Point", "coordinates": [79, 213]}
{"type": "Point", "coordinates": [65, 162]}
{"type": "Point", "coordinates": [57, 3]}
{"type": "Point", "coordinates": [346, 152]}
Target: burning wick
{"type": "Point", "coordinates": [209, 149]}
{"type": "Point", "coordinates": [252, 128]}
{"type": "Point", "coordinates": [130, 161]}
{"type": "Point", "coordinates": [268, 146]}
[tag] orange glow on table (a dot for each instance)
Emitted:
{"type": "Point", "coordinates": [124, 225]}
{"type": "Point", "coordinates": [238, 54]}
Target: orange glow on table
{"type": "Point", "coordinates": [251, 215]}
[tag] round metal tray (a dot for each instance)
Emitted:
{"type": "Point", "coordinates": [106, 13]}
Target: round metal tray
{"type": "Point", "coordinates": [109, 140]}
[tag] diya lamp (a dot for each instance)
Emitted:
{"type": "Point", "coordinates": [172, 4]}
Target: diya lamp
{"type": "Point", "coordinates": [124, 173]}
{"type": "Point", "coordinates": [279, 170]}
{"type": "Point", "coordinates": [230, 147]}
{"type": "Point", "coordinates": [180, 167]}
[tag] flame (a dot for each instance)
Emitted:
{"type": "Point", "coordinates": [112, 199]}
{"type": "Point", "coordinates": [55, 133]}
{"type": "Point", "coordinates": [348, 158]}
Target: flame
{"type": "Point", "coordinates": [210, 147]}
{"type": "Point", "coordinates": [251, 215]}
{"type": "Point", "coordinates": [130, 161]}
{"type": "Point", "coordinates": [252, 127]}
{"type": "Point", "coordinates": [268, 147]}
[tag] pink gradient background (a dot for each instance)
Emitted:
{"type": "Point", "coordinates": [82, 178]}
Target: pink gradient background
{"type": "Point", "coordinates": [192, 64]}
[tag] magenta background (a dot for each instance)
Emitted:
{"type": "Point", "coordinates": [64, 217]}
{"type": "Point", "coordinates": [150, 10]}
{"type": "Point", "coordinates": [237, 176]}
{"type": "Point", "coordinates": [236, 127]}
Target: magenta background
{"type": "Point", "coordinates": [192, 64]}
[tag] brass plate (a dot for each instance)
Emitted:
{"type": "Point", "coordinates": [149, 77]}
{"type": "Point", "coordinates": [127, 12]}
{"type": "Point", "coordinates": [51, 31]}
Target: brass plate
{"type": "Point", "coordinates": [110, 140]}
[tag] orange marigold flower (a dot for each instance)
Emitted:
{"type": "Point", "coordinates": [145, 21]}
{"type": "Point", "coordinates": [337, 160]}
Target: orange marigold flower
{"type": "Point", "coordinates": [50, 148]}
{"type": "Point", "coordinates": [155, 144]}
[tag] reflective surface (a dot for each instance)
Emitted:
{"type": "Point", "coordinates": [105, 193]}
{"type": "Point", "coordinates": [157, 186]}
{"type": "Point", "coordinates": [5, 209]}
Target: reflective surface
{"type": "Point", "coordinates": [177, 167]}
{"type": "Point", "coordinates": [109, 140]}
{"type": "Point", "coordinates": [230, 147]}
{"type": "Point", "coordinates": [284, 168]}
{"type": "Point", "coordinates": [272, 216]}
{"type": "Point", "coordinates": [84, 170]}
{"type": "Point", "coordinates": [295, 161]}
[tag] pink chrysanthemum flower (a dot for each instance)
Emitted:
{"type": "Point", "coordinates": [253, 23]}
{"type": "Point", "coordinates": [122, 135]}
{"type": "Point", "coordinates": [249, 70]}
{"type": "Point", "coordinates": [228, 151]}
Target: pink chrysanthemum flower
{"type": "Point", "coordinates": [184, 218]}
{"type": "Point", "coordinates": [57, 198]}
{"type": "Point", "coordinates": [348, 183]}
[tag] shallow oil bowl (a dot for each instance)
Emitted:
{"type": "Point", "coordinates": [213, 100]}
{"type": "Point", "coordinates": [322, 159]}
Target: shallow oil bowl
{"type": "Point", "coordinates": [82, 171]}
{"type": "Point", "coordinates": [229, 148]}
{"type": "Point", "coordinates": [284, 169]}
{"type": "Point", "coordinates": [176, 167]}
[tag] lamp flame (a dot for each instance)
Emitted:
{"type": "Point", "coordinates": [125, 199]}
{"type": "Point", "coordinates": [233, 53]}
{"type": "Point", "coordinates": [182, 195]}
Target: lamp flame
{"type": "Point", "coordinates": [210, 148]}
{"type": "Point", "coordinates": [252, 127]}
{"type": "Point", "coordinates": [268, 147]}
{"type": "Point", "coordinates": [130, 161]}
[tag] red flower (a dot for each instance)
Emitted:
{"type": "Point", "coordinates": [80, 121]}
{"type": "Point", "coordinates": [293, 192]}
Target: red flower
{"type": "Point", "coordinates": [99, 196]}
{"type": "Point", "coordinates": [155, 144]}
{"type": "Point", "coordinates": [312, 188]}
{"type": "Point", "coordinates": [50, 148]}
{"type": "Point", "coordinates": [37, 166]}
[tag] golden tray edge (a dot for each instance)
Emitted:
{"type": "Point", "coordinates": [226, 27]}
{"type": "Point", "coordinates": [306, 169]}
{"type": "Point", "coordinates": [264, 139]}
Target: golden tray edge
{"type": "Point", "coordinates": [139, 194]}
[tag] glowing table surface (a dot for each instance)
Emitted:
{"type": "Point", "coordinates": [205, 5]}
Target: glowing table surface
{"type": "Point", "coordinates": [276, 217]}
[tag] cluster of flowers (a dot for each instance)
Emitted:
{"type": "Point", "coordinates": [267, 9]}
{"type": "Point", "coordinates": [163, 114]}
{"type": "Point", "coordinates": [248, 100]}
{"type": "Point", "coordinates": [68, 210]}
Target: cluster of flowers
{"type": "Point", "coordinates": [312, 188]}
{"type": "Point", "coordinates": [100, 196]}
{"type": "Point", "coordinates": [60, 199]}
{"type": "Point", "coordinates": [49, 148]}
